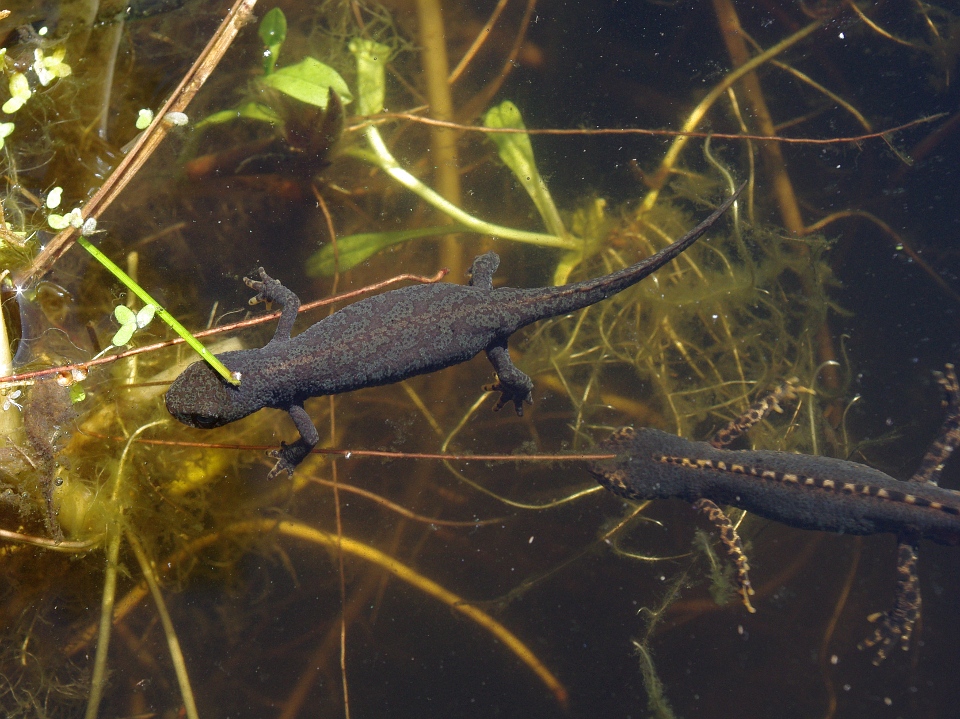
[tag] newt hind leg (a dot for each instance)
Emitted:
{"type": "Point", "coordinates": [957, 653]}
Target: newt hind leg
{"type": "Point", "coordinates": [728, 534]}
{"type": "Point", "coordinates": [757, 411]}
{"type": "Point", "coordinates": [948, 439]}
{"type": "Point", "coordinates": [895, 626]}
{"type": "Point", "coordinates": [512, 384]}
{"type": "Point", "coordinates": [731, 540]}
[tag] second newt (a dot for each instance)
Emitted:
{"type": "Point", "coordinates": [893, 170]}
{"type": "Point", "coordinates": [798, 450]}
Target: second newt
{"type": "Point", "coordinates": [803, 491]}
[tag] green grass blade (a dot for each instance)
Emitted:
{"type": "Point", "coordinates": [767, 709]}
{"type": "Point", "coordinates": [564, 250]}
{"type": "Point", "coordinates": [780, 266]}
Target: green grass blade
{"type": "Point", "coordinates": [161, 312]}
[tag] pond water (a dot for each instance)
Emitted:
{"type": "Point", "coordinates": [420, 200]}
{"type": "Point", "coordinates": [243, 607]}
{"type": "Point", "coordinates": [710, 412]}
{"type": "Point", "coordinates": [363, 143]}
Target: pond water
{"type": "Point", "coordinates": [406, 584]}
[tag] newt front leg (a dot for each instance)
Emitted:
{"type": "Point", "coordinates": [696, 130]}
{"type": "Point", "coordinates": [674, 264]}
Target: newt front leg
{"type": "Point", "coordinates": [271, 290]}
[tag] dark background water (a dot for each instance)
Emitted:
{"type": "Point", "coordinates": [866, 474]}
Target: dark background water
{"type": "Point", "coordinates": [254, 620]}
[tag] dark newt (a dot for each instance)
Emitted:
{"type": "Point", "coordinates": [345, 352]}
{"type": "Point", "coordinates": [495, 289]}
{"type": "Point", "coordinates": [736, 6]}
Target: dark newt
{"type": "Point", "coordinates": [388, 338]}
{"type": "Point", "coordinates": [48, 416]}
{"type": "Point", "coordinates": [803, 491]}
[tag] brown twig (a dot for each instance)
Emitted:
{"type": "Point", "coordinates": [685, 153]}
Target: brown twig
{"type": "Point", "coordinates": [477, 42]}
{"type": "Point", "coordinates": [877, 135]}
{"type": "Point", "coordinates": [482, 99]}
{"type": "Point", "coordinates": [354, 453]}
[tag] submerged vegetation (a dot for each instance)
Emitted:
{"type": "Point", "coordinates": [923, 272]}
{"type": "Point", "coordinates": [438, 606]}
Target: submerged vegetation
{"type": "Point", "coordinates": [149, 570]}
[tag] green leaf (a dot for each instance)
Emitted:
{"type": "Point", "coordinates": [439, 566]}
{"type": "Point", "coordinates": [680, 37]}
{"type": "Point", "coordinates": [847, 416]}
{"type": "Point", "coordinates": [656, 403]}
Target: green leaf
{"type": "Point", "coordinates": [209, 358]}
{"type": "Point", "coordinates": [57, 222]}
{"type": "Point", "coordinates": [273, 28]}
{"type": "Point", "coordinates": [309, 81]}
{"type": "Point", "coordinates": [372, 60]}
{"type": "Point", "coordinates": [54, 197]}
{"type": "Point", "coordinates": [125, 315]}
{"type": "Point", "coordinates": [145, 315]}
{"type": "Point", "coordinates": [354, 249]}
{"type": "Point", "coordinates": [517, 153]}
{"type": "Point", "coordinates": [250, 110]}
{"type": "Point", "coordinates": [124, 335]}
{"type": "Point", "coordinates": [273, 31]}
{"type": "Point", "coordinates": [77, 393]}
{"type": "Point", "coordinates": [144, 118]}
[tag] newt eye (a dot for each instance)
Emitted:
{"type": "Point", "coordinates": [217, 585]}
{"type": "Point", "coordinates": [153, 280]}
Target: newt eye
{"type": "Point", "coordinates": [202, 421]}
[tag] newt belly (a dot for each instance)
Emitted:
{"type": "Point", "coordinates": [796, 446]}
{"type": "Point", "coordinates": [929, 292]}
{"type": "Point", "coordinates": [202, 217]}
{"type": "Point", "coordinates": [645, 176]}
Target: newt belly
{"type": "Point", "coordinates": [803, 491]}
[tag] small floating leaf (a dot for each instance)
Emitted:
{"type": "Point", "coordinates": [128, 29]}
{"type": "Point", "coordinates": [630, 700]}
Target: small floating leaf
{"type": "Point", "coordinates": [144, 118]}
{"type": "Point", "coordinates": [124, 315]}
{"type": "Point", "coordinates": [273, 28]}
{"type": "Point", "coordinates": [6, 129]}
{"type": "Point", "coordinates": [130, 322]}
{"type": "Point", "coordinates": [123, 335]}
{"type": "Point", "coordinates": [49, 68]}
{"type": "Point", "coordinates": [19, 92]}
{"type": "Point", "coordinates": [145, 315]}
{"type": "Point", "coordinates": [177, 119]}
{"type": "Point", "coordinates": [53, 198]}
{"type": "Point", "coordinates": [57, 222]}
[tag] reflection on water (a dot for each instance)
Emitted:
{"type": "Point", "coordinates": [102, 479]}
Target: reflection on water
{"type": "Point", "coordinates": [474, 588]}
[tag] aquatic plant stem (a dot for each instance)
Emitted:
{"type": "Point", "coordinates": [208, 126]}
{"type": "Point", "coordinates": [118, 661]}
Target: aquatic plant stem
{"type": "Point", "coordinates": [828, 631]}
{"type": "Point", "coordinates": [884, 134]}
{"type": "Point", "coordinates": [298, 530]}
{"type": "Point", "coordinates": [659, 178]}
{"type": "Point", "coordinates": [161, 312]}
{"type": "Point", "coordinates": [176, 655]}
{"type": "Point", "coordinates": [478, 41]}
{"type": "Point", "coordinates": [9, 421]}
{"type": "Point", "coordinates": [305, 532]}
{"type": "Point", "coordinates": [386, 162]}
{"type": "Point", "coordinates": [733, 37]}
{"type": "Point", "coordinates": [443, 141]}
{"type": "Point", "coordinates": [360, 601]}
{"type": "Point", "coordinates": [99, 677]}
{"type": "Point", "coordinates": [482, 489]}
{"type": "Point", "coordinates": [482, 99]}
{"type": "Point", "coordinates": [341, 573]}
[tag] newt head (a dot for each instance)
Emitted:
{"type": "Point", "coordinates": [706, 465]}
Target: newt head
{"type": "Point", "coordinates": [201, 398]}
